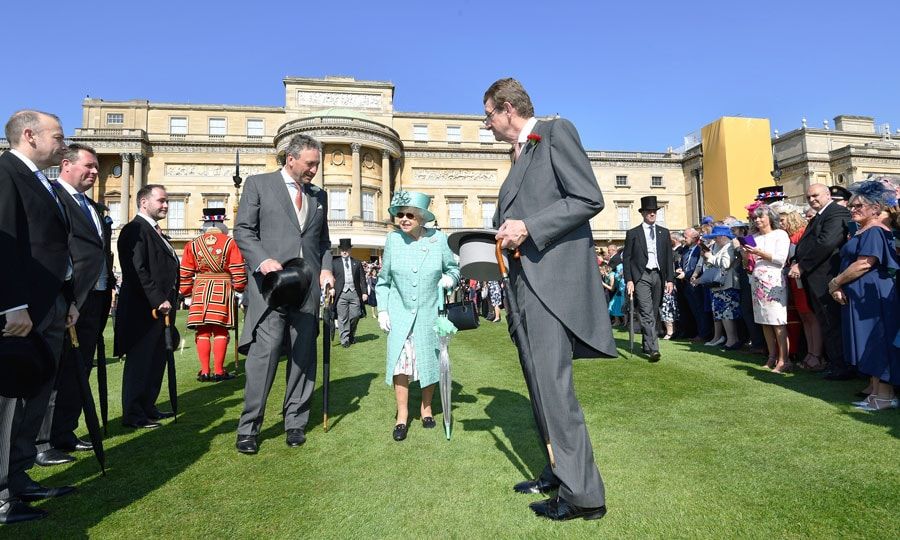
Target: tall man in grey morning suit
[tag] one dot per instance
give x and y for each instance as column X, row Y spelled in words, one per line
column 282, row 216
column 543, row 209
column 649, row 269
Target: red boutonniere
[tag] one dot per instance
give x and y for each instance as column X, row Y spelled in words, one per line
column 533, row 138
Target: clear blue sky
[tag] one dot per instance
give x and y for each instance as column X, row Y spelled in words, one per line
column 632, row 75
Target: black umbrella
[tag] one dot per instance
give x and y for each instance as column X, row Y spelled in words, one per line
column 237, row 333
column 101, row 382
column 170, row 363
column 631, row 323
column 521, row 341
column 327, row 336
column 87, row 402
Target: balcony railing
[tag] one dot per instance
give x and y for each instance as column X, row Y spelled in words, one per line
column 182, row 234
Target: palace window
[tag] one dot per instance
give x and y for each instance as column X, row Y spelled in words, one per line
column 456, row 213
column 52, row 173
column 420, row 132
column 175, row 217
column 485, row 136
column 621, row 180
column 217, row 128
column 623, row 217
column 487, row 213
column 454, row 134
column 256, row 128
column 656, row 181
column 215, row 202
column 368, row 206
column 114, row 207
column 661, row 216
column 115, row 119
column 337, row 204
column 178, row 126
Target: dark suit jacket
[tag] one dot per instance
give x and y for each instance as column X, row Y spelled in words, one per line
column 149, row 278
column 552, row 188
column 89, row 251
column 818, row 251
column 635, row 257
column 690, row 259
column 359, row 281
column 34, row 241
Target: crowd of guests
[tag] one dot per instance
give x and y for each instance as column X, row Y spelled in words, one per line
column 778, row 281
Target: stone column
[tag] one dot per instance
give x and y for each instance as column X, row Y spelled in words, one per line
column 356, row 189
column 319, row 179
column 138, row 171
column 385, row 184
column 125, row 198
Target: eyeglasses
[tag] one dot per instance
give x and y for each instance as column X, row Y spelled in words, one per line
column 856, row 206
column 407, row 215
column 488, row 116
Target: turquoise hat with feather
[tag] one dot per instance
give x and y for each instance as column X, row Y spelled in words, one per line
column 411, row 199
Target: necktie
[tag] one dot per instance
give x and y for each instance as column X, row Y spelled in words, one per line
column 298, row 199
column 82, row 200
column 652, row 232
column 49, row 185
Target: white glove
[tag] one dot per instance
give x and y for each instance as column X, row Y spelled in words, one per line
column 384, row 321
column 187, row 301
column 446, row 282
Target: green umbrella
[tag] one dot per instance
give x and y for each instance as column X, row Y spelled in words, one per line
column 445, row 329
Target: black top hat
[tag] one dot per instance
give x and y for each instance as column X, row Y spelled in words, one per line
column 287, row 287
column 648, row 203
column 839, row 193
column 770, row 194
column 345, row 244
column 213, row 214
column 26, row 364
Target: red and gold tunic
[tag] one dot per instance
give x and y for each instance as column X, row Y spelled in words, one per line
column 212, row 269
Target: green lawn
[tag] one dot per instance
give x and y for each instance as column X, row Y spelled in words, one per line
column 699, row 445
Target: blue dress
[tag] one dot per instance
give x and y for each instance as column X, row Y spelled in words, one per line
column 871, row 317
column 615, row 304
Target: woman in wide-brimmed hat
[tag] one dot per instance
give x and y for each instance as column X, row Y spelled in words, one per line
column 726, row 298
column 417, row 267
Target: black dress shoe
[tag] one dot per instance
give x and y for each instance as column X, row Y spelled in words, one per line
column 428, row 422
column 400, row 432
column 76, row 445
column 15, row 511
column 345, row 345
column 142, row 424
column 51, row 457
column 36, row 492
column 159, row 415
column 538, row 485
column 558, row 509
column 204, row 377
column 294, row 437
column 223, row 377
column 246, row 444
column 654, row 356
column 83, row 446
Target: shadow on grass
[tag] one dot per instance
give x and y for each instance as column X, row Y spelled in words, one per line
column 139, row 466
column 510, row 413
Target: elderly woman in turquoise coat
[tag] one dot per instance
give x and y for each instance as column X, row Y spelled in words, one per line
column 417, row 267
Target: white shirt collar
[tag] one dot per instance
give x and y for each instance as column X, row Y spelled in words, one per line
column 24, row 159
column 526, row 130
column 149, row 219
column 69, row 188
column 288, row 180
column 824, row 207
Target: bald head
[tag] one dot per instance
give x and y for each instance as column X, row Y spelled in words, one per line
column 818, row 196
column 37, row 135
column 690, row 236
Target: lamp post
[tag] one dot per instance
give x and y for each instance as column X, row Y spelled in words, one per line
column 237, row 181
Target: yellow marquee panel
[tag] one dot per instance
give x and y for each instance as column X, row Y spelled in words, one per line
column 737, row 160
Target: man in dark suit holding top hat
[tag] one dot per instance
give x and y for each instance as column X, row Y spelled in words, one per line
column 349, row 283
column 648, row 270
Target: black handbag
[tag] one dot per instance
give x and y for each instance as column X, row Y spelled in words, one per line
column 463, row 315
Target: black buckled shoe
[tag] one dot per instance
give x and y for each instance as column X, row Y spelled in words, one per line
column 246, row 444
column 538, row 485
column 204, row 377
column 558, row 509
column 224, row 376
column 428, row 422
column 400, row 432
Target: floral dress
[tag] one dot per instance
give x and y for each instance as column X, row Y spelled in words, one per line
column 769, row 288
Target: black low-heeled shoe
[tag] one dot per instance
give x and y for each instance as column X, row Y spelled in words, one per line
column 428, row 422
column 400, row 432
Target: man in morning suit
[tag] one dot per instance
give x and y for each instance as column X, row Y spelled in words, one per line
column 89, row 246
column 648, row 270
column 149, row 281
column 544, row 207
column 282, row 216
column 693, row 295
column 816, row 261
column 37, row 294
column 350, row 292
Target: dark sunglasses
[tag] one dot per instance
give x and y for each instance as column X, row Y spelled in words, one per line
column 407, row 215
